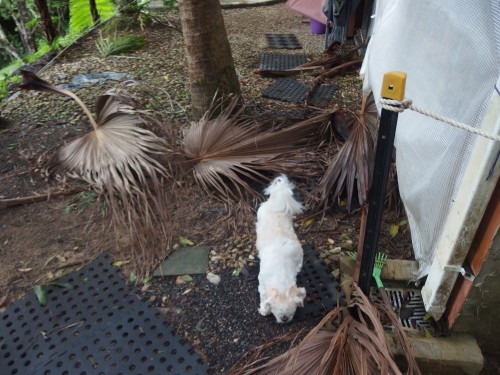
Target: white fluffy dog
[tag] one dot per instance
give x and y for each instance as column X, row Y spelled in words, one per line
column 280, row 252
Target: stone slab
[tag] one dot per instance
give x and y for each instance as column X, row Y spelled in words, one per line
column 455, row 354
column 185, row 261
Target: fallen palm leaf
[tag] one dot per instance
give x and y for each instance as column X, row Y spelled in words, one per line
column 231, row 150
column 116, row 158
column 349, row 340
column 352, row 165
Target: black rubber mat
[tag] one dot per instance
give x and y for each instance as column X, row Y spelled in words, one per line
column 285, row 89
column 323, row 291
column 322, row 95
column 96, row 327
column 279, row 61
column 283, row 41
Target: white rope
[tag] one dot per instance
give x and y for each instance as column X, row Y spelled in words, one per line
column 401, row 105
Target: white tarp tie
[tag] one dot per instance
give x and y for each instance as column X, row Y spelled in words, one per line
column 400, row 105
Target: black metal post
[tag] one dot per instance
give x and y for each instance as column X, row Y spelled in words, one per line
column 376, row 196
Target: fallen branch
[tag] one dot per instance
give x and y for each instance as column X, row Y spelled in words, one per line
column 39, row 198
column 285, row 73
column 332, row 72
column 337, row 70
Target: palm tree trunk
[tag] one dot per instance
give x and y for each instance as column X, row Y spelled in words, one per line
column 210, row 63
column 93, row 11
column 24, row 31
column 49, row 30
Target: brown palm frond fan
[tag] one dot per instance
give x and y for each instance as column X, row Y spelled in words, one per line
column 351, row 168
column 116, row 159
column 350, row 340
column 230, row 150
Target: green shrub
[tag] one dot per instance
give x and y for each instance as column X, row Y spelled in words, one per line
column 5, row 83
column 170, row 4
column 115, row 45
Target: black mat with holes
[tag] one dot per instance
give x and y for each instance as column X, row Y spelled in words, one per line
column 323, row 291
column 97, row 327
column 288, row 90
column 283, row 41
column 322, row 95
column 279, row 61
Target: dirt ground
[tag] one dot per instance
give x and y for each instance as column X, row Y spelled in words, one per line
column 44, row 240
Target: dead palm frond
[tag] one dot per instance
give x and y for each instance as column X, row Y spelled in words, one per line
column 230, row 151
column 116, row 158
column 353, row 164
column 350, row 340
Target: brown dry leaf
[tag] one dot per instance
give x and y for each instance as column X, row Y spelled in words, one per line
column 353, row 164
column 4, row 302
column 231, row 150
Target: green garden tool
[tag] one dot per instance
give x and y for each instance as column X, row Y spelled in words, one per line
column 377, row 267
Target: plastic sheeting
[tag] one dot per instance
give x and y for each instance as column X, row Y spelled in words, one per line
column 450, row 51
column 308, row 8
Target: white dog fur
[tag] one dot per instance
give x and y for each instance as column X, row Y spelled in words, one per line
column 280, row 252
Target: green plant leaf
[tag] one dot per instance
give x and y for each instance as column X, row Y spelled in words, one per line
column 120, row 263
column 393, row 230
column 427, row 316
column 146, row 280
column 236, row 272
column 187, row 278
column 61, row 285
column 132, row 277
column 402, row 223
column 41, row 295
column 185, row 242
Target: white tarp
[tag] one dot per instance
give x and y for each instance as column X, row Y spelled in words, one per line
column 450, row 51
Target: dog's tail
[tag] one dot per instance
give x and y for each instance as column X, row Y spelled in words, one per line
column 281, row 196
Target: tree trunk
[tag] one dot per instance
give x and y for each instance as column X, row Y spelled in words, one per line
column 24, row 31
column 210, row 63
column 6, row 45
column 93, row 11
column 48, row 28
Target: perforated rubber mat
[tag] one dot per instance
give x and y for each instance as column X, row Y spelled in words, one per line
column 283, row 41
column 323, row 291
column 322, row 95
column 288, row 90
column 95, row 328
column 279, row 61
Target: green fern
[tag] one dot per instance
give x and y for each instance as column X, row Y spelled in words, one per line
column 114, row 45
column 80, row 17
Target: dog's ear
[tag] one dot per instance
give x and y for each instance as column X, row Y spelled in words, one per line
column 298, row 295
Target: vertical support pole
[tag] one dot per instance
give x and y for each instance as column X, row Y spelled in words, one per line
column 393, row 87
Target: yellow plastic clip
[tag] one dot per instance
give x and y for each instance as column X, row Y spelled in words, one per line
column 393, row 85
